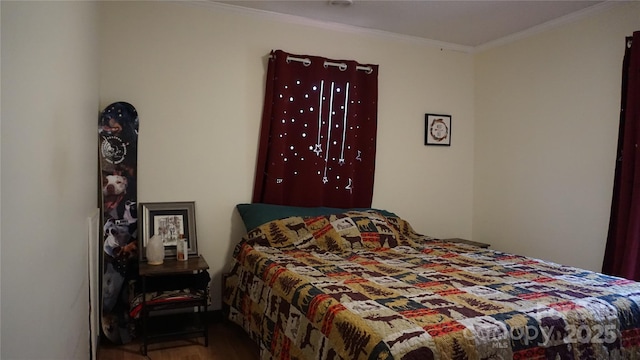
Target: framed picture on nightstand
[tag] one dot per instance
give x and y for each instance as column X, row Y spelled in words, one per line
column 170, row 221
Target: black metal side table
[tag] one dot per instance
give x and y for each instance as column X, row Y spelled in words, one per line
column 196, row 328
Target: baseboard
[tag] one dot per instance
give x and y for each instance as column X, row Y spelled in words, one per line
column 216, row 315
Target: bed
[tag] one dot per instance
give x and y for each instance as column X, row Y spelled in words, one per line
column 362, row 284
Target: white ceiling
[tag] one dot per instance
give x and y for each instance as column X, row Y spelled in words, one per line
column 462, row 23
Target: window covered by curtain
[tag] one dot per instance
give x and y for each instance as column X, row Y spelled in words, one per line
column 622, row 254
column 318, row 134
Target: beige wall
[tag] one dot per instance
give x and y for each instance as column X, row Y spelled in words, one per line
column 543, row 138
column 196, row 76
column 545, row 142
column 49, row 171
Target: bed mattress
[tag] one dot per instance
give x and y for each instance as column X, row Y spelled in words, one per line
column 361, row 285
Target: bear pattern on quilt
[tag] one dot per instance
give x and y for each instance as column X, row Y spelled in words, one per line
column 306, row 288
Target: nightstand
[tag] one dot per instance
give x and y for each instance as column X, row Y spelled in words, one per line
column 468, row 242
column 154, row 328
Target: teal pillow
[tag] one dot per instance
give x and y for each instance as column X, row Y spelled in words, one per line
column 254, row 215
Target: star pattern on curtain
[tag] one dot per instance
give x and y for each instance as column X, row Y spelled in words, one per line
column 318, row 132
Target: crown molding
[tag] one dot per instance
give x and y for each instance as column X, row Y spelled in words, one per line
column 552, row 24
column 298, row 20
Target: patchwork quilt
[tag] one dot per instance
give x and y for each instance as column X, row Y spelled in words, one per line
column 360, row 285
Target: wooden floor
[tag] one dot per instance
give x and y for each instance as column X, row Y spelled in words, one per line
column 227, row 341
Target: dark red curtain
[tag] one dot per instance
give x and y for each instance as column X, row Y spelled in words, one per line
column 318, row 136
column 622, row 253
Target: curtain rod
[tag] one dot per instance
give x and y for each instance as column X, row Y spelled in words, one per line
column 341, row 66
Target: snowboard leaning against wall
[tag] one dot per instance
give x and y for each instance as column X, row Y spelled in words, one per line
column 118, row 141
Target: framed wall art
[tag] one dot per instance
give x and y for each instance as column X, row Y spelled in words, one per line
column 170, row 221
column 437, row 129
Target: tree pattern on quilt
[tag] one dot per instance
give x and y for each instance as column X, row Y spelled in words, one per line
column 328, row 287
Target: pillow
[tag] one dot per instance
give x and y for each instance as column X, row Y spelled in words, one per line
column 256, row 214
column 340, row 232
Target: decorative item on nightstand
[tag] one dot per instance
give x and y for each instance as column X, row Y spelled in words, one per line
column 171, row 222
column 182, row 249
column 155, row 251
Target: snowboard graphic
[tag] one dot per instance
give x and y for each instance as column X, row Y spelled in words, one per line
column 118, row 142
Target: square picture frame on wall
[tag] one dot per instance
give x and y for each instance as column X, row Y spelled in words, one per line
column 437, row 129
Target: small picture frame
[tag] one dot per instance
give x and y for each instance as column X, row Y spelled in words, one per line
column 171, row 221
column 437, row 129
